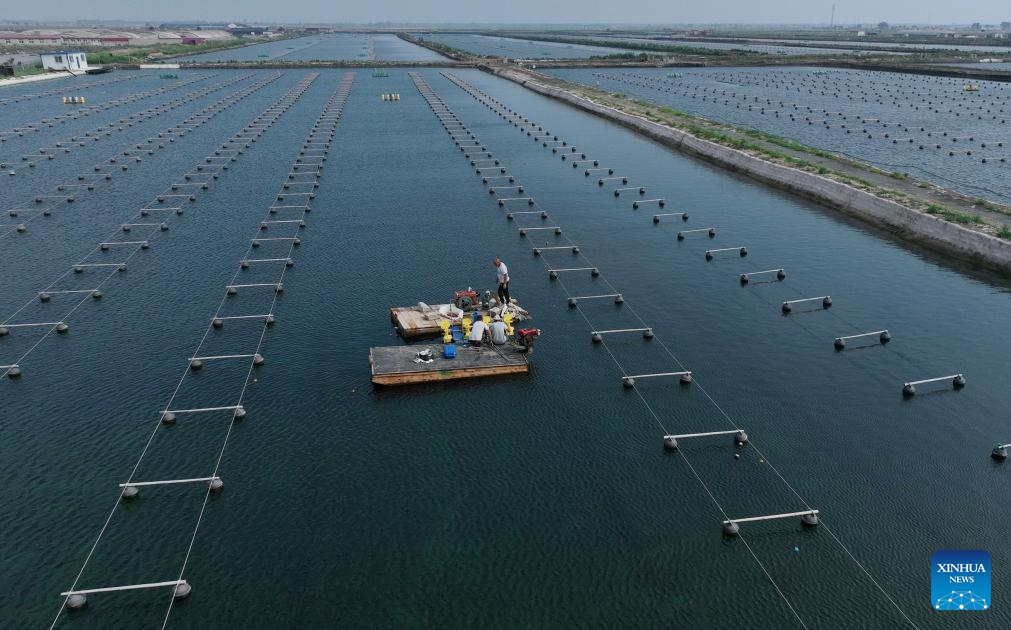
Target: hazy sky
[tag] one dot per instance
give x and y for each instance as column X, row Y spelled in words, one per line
column 519, row 11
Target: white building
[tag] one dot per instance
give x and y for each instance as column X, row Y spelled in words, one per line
column 73, row 61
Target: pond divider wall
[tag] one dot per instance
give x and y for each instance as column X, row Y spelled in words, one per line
column 905, row 223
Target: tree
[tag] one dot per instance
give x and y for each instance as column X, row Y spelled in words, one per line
column 1005, row 26
column 882, row 26
column 976, row 26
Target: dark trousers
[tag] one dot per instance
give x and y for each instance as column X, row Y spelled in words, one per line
column 503, row 294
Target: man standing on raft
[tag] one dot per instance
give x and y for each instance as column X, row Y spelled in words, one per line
column 503, row 282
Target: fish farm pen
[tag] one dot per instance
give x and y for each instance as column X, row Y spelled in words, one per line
column 742, row 411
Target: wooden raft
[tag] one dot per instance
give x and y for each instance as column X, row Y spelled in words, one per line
column 394, row 365
column 412, row 323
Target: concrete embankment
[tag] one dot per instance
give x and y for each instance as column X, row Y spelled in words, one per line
column 904, row 222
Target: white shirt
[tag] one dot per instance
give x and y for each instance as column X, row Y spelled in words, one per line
column 477, row 331
column 502, row 271
column 498, row 333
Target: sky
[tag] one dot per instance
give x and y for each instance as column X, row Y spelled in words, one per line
column 520, row 11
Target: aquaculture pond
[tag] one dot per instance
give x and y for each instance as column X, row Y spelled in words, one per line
column 325, row 47
column 538, row 500
column 950, row 131
column 768, row 49
column 516, row 48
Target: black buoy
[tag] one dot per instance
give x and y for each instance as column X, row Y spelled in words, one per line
column 999, row 452
column 958, row 382
column 810, row 520
column 908, row 390
column 840, row 343
column 670, row 443
column 731, row 529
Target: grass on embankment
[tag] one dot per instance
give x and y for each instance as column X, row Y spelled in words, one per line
column 27, row 71
column 143, row 54
column 765, row 145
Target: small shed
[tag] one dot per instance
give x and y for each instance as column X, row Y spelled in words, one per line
column 65, row 60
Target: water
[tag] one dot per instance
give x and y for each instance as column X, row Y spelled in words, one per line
column 901, row 45
column 514, row 48
column 544, row 500
column 325, row 47
column 928, row 127
column 768, row 49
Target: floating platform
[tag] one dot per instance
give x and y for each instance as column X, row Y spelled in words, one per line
column 395, row 365
column 423, row 321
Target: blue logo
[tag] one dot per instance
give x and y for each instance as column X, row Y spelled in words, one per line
column 960, row 580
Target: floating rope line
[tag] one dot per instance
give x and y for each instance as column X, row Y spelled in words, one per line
column 498, row 107
column 74, row 114
column 29, row 160
column 58, row 91
column 441, row 110
column 75, row 597
column 914, row 98
column 100, row 172
column 275, row 111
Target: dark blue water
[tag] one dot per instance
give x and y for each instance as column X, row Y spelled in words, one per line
column 928, row 127
column 538, row 501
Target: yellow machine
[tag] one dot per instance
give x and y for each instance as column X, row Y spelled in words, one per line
column 508, row 319
column 446, row 336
